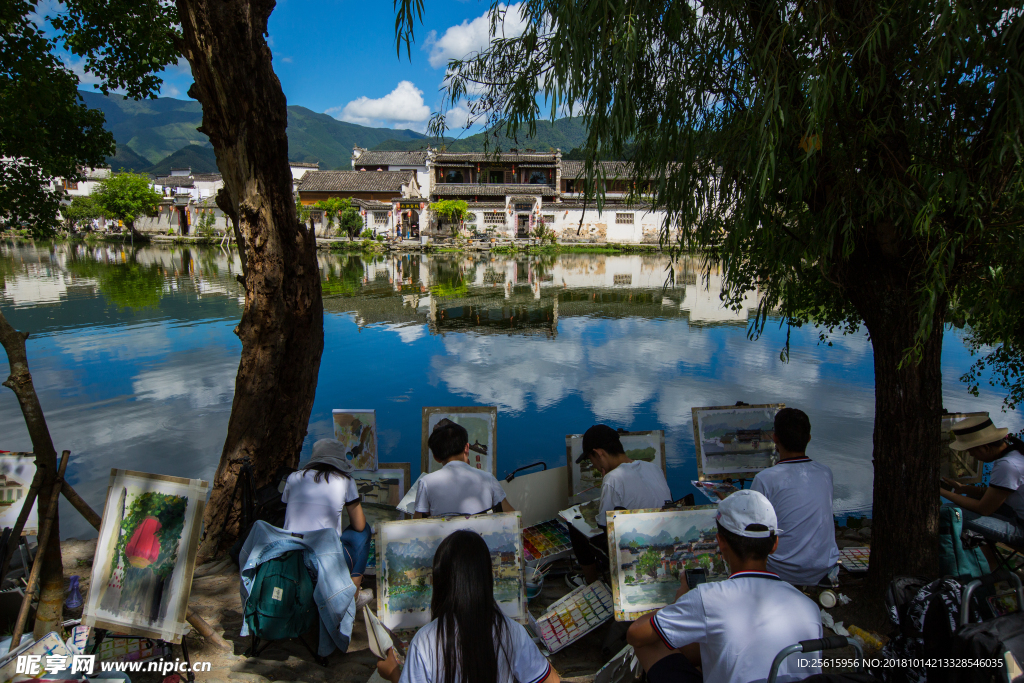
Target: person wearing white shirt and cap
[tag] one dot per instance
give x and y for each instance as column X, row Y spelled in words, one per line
column 995, row 511
column 730, row 631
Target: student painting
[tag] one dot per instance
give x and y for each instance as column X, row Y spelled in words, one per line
column 996, row 511
column 315, row 496
column 730, row 631
column 453, row 648
column 458, row 487
column 800, row 491
column 626, row 484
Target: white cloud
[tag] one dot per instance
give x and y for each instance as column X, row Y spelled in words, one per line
column 472, row 36
column 168, row 90
column 287, row 60
column 402, row 107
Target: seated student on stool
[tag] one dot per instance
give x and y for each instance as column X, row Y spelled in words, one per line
column 315, row 496
column 800, row 491
column 458, row 487
column 996, row 511
column 731, row 629
column 626, row 485
column 452, row 647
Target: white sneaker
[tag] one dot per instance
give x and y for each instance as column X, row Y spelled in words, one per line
column 364, row 597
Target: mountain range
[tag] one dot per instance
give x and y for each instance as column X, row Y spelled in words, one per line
column 661, row 538
column 156, row 135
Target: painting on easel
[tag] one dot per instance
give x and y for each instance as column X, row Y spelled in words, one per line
column 734, row 441
column 482, row 424
column 16, row 473
column 959, row 465
column 357, row 431
column 145, row 555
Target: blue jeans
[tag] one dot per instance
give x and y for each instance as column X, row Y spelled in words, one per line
column 356, row 545
column 1002, row 526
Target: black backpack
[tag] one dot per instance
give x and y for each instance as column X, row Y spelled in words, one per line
column 925, row 624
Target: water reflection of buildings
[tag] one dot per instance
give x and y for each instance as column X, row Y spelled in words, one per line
column 524, row 296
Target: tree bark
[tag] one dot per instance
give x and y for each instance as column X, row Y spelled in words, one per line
column 245, row 117
column 908, row 406
column 50, row 612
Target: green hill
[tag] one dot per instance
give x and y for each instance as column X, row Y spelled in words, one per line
column 197, row 157
column 148, row 132
column 564, row 134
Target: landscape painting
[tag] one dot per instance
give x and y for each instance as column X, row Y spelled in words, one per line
column 357, row 431
column 652, row 547
column 145, row 555
column 16, row 473
column 959, row 465
column 482, row 424
column 405, row 557
column 585, row 481
column 386, row 486
column 734, row 441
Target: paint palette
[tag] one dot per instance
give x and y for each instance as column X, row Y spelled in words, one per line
column 545, row 540
column 575, row 615
column 854, row 560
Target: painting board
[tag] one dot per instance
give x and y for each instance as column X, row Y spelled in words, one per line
column 585, row 481
column 385, row 486
column 583, row 516
column 538, row 495
column 16, row 473
column 405, row 557
column 356, row 429
column 649, row 548
column 734, row 441
column 145, row 555
column 482, row 424
column 959, row 465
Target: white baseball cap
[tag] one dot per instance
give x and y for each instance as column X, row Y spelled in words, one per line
column 744, row 508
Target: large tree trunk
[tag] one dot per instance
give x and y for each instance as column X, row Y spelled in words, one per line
column 908, row 406
column 245, row 116
column 50, row 610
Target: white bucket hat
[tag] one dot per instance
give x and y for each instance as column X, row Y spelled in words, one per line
column 745, row 508
column 975, row 431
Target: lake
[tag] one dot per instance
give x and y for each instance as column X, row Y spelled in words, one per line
column 134, row 357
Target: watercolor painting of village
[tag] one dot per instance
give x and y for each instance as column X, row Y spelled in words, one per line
column 482, row 424
column 357, row 431
column 585, row 481
column 650, row 548
column 405, row 552
column 734, row 441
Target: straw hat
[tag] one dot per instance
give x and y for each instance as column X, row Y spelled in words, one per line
column 975, row 431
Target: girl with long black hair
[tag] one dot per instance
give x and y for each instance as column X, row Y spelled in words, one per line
column 452, row 648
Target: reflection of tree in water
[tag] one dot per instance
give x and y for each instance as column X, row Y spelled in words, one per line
column 126, row 285
column 344, row 276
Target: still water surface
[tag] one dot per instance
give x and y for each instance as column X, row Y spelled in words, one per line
column 134, row 357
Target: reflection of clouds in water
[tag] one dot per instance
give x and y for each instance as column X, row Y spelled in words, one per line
column 407, row 332
column 115, row 343
column 203, row 383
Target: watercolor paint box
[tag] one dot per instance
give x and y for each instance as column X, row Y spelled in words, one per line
column 854, row 560
column 546, row 540
column 575, row 615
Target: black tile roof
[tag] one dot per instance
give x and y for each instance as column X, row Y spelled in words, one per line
column 506, row 157
column 374, row 157
column 355, row 181
column 572, row 170
column 481, row 190
column 207, row 177
column 174, row 181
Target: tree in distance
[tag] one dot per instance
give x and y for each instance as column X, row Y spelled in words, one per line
column 127, row 197
column 856, row 163
column 81, row 212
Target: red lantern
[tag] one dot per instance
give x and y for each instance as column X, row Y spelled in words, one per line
column 144, row 547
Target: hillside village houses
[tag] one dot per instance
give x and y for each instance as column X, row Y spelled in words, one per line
column 509, row 195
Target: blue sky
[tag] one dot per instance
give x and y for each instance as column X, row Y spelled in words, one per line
column 339, row 57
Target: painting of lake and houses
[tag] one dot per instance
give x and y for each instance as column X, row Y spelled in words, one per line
column 734, row 441
column 406, row 557
column 650, row 548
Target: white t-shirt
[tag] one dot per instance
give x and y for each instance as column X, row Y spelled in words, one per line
column 1008, row 473
column 316, row 505
column 528, row 664
column 741, row 624
column 633, row 485
column 457, row 488
column 800, row 490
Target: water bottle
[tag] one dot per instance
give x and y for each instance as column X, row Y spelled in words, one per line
column 74, row 599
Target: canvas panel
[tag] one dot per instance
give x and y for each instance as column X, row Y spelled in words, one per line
column 585, row 482
column 650, row 548
column 405, row 565
column 145, row 555
column 482, row 424
column 734, row 441
column 584, row 517
column 16, row 473
column 356, row 429
column 959, row 465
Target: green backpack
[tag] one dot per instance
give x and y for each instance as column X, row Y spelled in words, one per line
column 954, row 558
column 281, row 603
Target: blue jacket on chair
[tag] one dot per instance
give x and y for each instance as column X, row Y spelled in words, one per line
column 334, row 593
